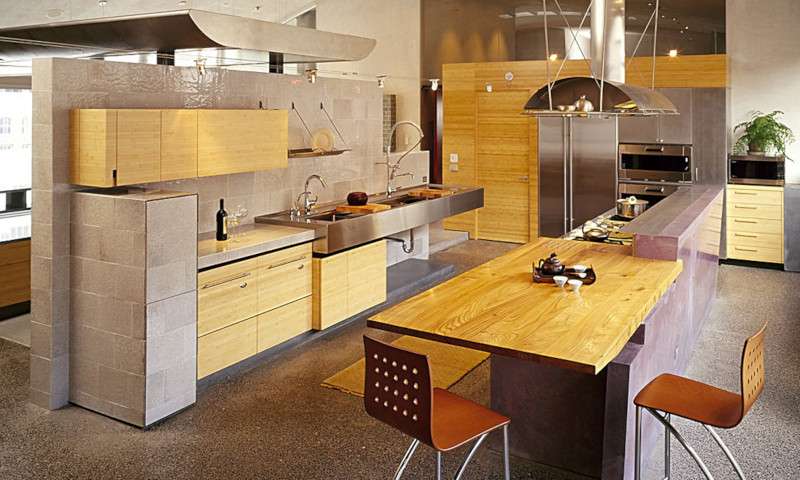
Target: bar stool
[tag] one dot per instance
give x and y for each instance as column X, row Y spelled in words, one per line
column 398, row 392
column 707, row 405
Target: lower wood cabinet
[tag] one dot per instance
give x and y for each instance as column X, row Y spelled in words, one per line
column 251, row 305
column 347, row 283
column 755, row 223
column 15, row 271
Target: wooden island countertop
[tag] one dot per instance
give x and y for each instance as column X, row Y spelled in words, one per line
column 497, row 308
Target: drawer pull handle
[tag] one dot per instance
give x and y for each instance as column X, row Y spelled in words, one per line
column 746, row 208
column 286, row 262
column 746, row 249
column 745, row 235
column 744, row 193
column 744, row 221
column 226, row 280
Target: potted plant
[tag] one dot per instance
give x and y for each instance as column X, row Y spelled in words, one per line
column 764, row 133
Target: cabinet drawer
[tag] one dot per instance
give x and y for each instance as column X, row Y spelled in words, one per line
column 227, row 295
column 755, row 195
column 757, row 225
column 754, row 210
column 284, row 276
column 226, row 347
column 284, row 323
column 751, row 239
column 755, row 254
column 366, row 277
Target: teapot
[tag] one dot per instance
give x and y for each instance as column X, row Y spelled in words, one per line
column 551, row 265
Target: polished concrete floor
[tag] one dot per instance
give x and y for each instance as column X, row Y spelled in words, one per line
column 276, row 422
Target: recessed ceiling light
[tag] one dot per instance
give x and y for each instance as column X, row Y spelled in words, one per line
column 673, row 53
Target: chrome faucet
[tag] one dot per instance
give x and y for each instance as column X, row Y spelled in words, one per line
column 392, row 168
column 309, row 199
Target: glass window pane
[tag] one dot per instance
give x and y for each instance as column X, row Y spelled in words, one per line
column 15, row 139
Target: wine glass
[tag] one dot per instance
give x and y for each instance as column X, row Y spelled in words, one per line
column 238, row 215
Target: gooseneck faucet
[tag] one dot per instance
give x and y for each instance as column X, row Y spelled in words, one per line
column 309, row 199
column 391, row 168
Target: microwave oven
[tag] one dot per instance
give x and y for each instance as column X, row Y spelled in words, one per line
column 756, row 170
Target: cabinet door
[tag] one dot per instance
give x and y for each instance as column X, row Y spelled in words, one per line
column 677, row 128
column 93, row 147
column 638, row 130
column 503, row 156
column 138, row 146
column 330, row 290
column 178, row 144
column 284, row 323
column 366, row 277
column 234, row 141
column 284, row 276
column 226, row 295
column 226, row 347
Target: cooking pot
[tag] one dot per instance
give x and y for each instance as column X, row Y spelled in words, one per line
column 631, row 207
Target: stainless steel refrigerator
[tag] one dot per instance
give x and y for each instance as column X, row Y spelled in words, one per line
column 577, row 171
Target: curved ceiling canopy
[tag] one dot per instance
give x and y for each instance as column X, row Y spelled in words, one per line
column 180, row 30
column 618, row 98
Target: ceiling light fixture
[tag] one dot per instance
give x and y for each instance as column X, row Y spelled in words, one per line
column 200, row 63
column 102, row 3
column 673, row 53
column 311, row 75
column 381, row 80
column 434, row 84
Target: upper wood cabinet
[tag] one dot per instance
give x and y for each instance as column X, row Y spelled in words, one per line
column 234, row 141
column 111, row 147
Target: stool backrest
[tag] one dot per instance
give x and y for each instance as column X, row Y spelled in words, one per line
column 752, row 369
column 397, row 388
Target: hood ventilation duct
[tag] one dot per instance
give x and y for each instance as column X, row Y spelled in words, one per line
column 180, row 30
column 605, row 92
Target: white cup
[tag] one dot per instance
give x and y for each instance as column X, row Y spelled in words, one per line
column 560, row 280
column 574, row 285
column 579, row 268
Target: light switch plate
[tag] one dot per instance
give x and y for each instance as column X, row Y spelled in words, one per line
column 453, row 167
column 453, row 158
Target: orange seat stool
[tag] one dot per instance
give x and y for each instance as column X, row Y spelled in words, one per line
column 398, row 392
column 704, row 404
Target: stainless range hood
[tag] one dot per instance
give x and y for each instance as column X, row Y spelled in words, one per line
column 179, row 30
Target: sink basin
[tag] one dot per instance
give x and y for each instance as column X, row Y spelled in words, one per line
column 332, row 216
column 403, row 200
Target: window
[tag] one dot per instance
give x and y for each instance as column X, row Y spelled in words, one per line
column 15, row 139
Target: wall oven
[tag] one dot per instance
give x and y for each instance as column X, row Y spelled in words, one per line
column 653, row 171
column 756, row 170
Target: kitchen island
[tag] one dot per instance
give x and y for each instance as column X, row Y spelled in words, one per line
column 565, row 367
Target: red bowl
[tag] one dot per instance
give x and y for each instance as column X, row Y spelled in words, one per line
column 357, row 198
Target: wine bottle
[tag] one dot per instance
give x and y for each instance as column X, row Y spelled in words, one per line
column 222, row 222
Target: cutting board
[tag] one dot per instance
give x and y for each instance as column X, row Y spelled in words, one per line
column 368, row 208
column 429, row 193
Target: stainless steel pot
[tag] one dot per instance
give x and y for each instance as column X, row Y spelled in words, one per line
column 631, row 207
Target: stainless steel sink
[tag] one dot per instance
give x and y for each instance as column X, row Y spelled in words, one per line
column 335, row 231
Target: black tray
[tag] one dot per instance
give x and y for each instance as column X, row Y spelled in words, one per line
column 590, row 278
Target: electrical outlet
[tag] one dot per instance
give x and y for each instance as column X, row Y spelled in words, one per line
column 453, row 167
column 453, row 158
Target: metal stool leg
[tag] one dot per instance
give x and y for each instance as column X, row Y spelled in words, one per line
column 469, row 456
column 406, row 458
column 438, row 465
column 506, row 464
column 680, row 439
column 726, row 451
column 638, row 458
column 667, row 466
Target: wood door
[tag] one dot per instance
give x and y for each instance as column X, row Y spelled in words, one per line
column 330, row 290
column 178, row 144
column 503, row 153
column 93, row 147
column 15, row 270
column 276, row 136
column 138, row 146
column 366, row 277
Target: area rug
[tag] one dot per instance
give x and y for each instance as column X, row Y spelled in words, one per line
column 448, row 363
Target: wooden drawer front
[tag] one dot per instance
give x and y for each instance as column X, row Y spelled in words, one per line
column 366, row 277
column 754, row 225
column 754, row 210
column 227, row 295
column 330, row 290
column 284, row 276
column 768, row 240
column 226, row 347
column 284, row 323
column 755, row 195
column 755, row 253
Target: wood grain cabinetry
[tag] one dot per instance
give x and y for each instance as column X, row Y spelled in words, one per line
column 347, row 283
column 112, row 147
column 15, row 272
column 251, row 305
column 755, row 223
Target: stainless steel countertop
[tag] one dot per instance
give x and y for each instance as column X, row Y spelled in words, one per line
column 251, row 239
